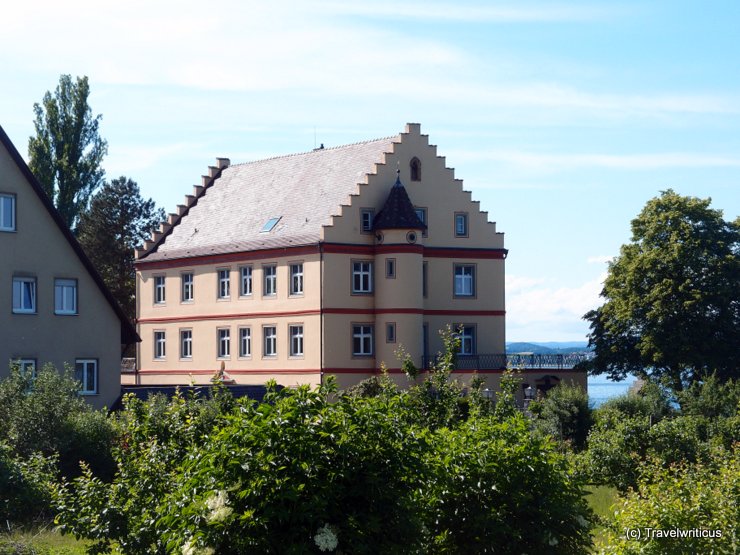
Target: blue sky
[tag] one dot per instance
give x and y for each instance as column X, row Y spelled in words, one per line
column 562, row 118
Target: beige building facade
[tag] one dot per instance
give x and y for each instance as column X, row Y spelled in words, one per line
column 322, row 263
column 54, row 307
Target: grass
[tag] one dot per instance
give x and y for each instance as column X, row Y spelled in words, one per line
column 601, row 499
column 40, row 540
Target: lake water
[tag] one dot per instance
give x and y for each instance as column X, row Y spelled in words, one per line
column 601, row 389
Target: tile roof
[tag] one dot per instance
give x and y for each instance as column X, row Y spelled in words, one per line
column 303, row 190
column 398, row 212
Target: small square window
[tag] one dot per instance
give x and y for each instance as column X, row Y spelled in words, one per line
column 65, row 296
column 296, row 279
column 270, row 224
column 187, row 287
column 245, row 281
column 24, row 295
column 86, row 372
column 390, row 268
column 461, row 225
column 366, row 218
column 7, row 212
column 362, row 340
column 159, row 290
column 269, row 285
column 390, row 332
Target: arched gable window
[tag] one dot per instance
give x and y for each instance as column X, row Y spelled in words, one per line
column 415, row 165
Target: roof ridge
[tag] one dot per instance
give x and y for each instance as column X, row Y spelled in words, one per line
column 315, row 150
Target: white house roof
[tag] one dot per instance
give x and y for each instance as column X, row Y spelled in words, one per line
column 302, row 190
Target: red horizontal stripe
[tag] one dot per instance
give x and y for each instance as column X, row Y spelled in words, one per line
column 239, row 372
column 424, row 311
column 243, row 256
column 232, row 316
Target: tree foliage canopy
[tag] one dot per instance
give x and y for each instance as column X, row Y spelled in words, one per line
column 118, row 220
column 66, row 153
column 672, row 296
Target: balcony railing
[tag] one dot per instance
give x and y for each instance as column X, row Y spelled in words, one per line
column 500, row 361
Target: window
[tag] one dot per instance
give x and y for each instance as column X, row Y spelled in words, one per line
column 186, row 343
column 362, row 278
column 461, row 225
column 159, row 292
column 464, row 280
column 269, row 287
column 467, row 340
column 296, row 279
column 390, row 268
column 269, row 348
column 86, row 372
column 296, row 341
column 270, row 224
column 24, row 295
column 390, row 332
column 424, row 280
column 245, row 342
column 27, row 366
column 366, row 218
column 187, row 287
column 362, row 339
column 7, row 212
column 224, row 342
column 245, row 281
column 224, row 283
column 421, row 213
column 65, row 296
column 159, row 345
column 415, row 167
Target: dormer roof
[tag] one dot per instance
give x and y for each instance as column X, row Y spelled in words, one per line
column 398, row 212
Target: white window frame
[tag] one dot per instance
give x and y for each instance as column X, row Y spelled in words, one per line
column 223, row 343
column 19, row 289
column 61, row 287
column 362, row 277
column 296, row 278
column 421, row 213
column 269, row 341
column 24, row 364
column 245, row 281
column 245, row 342
column 160, row 291
column 223, row 290
column 187, row 288
column 160, row 345
column 4, row 225
column 390, row 268
column 467, row 340
column 295, row 334
column 269, row 280
column 362, row 337
column 464, row 285
column 82, row 375
column 186, row 344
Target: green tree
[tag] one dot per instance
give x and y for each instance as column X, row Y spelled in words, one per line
column 672, row 301
column 118, row 220
column 66, row 153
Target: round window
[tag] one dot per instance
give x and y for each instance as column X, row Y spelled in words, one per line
column 411, row 237
column 379, row 236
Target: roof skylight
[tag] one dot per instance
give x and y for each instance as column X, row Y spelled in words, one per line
column 270, row 224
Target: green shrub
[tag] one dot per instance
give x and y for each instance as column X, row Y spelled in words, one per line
column 680, row 498
column 564, row 413
column 711, row 398
column 24, row 486
column 651, row 400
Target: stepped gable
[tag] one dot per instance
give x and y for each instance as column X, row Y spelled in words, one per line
column 398, row 212
column 304, row 191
